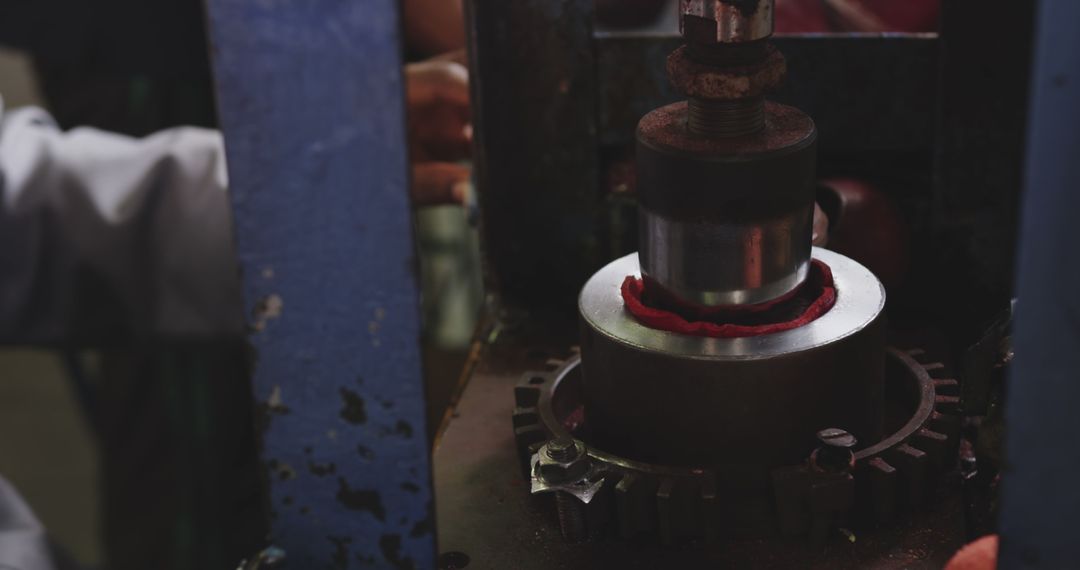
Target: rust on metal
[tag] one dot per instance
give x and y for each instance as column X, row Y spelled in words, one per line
column 785, row 127
column 695, row 79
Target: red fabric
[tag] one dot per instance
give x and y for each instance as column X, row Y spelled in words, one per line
column 711, row 322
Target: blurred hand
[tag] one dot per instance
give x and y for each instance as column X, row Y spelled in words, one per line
column 433, row 26
column 440, row 131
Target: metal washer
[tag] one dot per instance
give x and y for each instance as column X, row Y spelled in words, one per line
column 860, row 300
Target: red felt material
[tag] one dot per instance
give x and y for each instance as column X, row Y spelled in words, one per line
column 717, row 322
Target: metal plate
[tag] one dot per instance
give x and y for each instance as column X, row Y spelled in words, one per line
column 311, row 99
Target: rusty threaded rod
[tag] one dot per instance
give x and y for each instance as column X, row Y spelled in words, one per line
column 724, row 119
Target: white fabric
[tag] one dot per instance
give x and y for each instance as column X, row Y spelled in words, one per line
column 23, row 544
column 143, row 222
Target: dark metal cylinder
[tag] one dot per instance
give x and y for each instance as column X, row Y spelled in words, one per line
column 705, row 263
column 749, row 403
column 725, row 219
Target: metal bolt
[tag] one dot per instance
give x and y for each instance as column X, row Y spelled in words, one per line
column 836, row 437
column 563, row 460
column 563, row 449
column 835, row 452
column 571, row 513
column 564, row 463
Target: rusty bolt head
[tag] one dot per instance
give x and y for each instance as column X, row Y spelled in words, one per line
column 836, row 438
column 725, row 21
column 835, row 452
column 563, row 460
column 703, row 81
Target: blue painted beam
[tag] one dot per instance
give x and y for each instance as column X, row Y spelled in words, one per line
column 1040, row 507
column 311, row 101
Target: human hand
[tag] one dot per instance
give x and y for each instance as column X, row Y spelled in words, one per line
column 440, row 131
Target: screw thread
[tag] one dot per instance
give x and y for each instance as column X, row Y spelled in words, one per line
column 724, row 119
column 571, row 513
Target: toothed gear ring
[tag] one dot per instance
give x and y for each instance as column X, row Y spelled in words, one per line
column 631, row 498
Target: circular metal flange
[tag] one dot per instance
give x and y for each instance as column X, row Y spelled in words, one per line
column 892, row 476
column 860, row 300
column 753, row 402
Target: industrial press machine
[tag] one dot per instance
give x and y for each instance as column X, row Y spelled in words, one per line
column 668, row 374
column 729, row 394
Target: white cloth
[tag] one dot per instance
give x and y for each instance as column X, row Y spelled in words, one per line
column 98, row 227
column 23, row 544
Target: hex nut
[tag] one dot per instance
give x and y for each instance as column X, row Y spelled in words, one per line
column 703, row 81
column 554, row 471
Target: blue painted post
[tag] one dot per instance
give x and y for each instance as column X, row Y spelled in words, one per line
column 310, row 96
column 1040, row 511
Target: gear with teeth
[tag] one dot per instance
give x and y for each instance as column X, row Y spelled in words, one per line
column 895, row 475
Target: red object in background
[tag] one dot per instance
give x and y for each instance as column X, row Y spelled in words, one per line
column 801, row 16
column 979, row 555
column 906, row 15
column 818, row 16
column 865, row 225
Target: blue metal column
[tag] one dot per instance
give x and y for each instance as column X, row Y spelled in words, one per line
column 310, row 97
column 1040, row 512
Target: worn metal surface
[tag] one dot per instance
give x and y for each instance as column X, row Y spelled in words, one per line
column 866, row 93
column 629, row 498
column 1041, row 498
column 754, row 402
column 719, row 226
column 486, row 513
column 548, row 96
column 537, row 152
column 725, row 220
column 312, row 107
column 739, row 76
column 725, row 264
